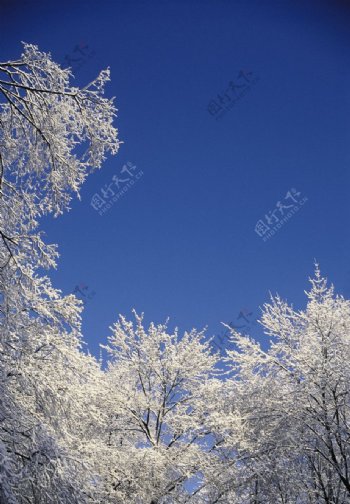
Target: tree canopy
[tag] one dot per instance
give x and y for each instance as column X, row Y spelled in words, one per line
column 168, row 420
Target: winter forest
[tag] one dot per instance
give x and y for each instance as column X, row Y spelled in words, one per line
column 166, row 419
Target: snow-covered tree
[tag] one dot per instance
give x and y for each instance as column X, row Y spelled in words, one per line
column 158, row 434
column 288, row 408
column 161, row 424
column 51, row 135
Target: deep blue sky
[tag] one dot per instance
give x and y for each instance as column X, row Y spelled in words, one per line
column 181, row 241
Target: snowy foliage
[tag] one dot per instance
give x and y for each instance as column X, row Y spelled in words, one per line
column 289, row 423
column 167, row 421
column 44, row 376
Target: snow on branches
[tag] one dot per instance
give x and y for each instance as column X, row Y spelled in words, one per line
column 167, row 420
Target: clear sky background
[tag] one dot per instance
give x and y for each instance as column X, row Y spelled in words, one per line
column 181, row 242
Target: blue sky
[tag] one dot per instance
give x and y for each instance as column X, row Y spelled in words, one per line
column 180, row 242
